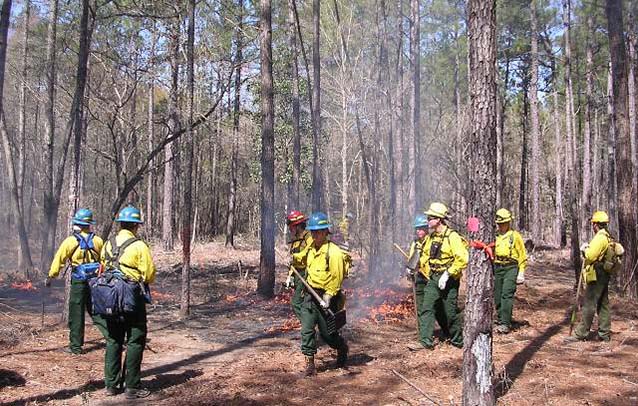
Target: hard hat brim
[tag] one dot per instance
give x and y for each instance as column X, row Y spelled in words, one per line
column 129, row 221
column 435, row 215
column 83, row 223
column 319, row 227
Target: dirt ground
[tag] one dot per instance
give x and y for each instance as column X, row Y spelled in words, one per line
column 239, row 349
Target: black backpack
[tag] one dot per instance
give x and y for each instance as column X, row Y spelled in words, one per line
column 113, row 294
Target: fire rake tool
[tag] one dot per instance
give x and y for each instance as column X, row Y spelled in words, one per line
column 416, row 311
column 334, row 320
column 576, row 307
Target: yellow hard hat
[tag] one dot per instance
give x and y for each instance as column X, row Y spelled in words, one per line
column 600, row 217
column 503, row 216
column 437, row 210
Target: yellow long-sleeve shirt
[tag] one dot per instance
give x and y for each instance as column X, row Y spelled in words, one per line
column 297, row 246
column 422, row 266
column 451, row 256
column 597, row 247
column 136, row 261
column 509, row 248
column 326, row 274
column 69, row 251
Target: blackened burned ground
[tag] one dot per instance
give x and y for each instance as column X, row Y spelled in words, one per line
column 235, row 349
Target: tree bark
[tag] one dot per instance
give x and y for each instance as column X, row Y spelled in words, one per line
column 184, row 308
column 587, row 136
column 572, row 161
column 50, row 203
column 415, row 58
column 150, row 179
column 174, row 125
column 316, row 107
column 22, row 105
column 477, row 331
column 620, row 95
column 234, row 166
column 558, row 166
column 296, row 133
column 535, row 220
column 266, row 282
column 610, row 170
column 77, row 112
column 632, row 43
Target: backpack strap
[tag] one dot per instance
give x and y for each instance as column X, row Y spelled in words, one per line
column 113, row 259
column 90, row 254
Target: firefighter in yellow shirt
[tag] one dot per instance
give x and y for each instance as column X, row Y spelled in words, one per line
column 444, row 257
column 136, row 264
column 596, row 279
column 510, row 261
column 300, row 238
column 326, row 267
column 82, row 250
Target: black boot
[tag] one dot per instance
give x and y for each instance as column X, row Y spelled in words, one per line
column 310, row 366
column 342, row 355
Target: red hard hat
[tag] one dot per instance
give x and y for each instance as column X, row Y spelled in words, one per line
column 295, row 217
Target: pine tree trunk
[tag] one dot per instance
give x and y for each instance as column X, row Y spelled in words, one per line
column 620, row 99
column 78, row 108
column 415, row 56
column 524, row 171
column 401, row 155
column 49, row 202
column 535, row 220
column 587, row 136
column 597, row 162
column 572, row 161
column 632, row 43
column 558, row 141
column 317, row 187
column 266, row 282
column 174, row 125
column 22, row 106
column 150, row 179
column 296, row 148
column 477, row 330
column 231, row 219
column 184, row 308
column 610, row 171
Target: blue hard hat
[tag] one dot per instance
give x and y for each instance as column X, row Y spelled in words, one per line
column 83, row 217
column 421, row 220
column 129, row 214
column 318, row 221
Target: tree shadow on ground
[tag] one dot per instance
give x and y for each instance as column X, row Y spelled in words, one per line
column 161, row 370
column 11, row 378
column 515, row 367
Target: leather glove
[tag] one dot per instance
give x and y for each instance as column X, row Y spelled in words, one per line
column 443, row 280
column 409, row 273
column 47, row 282
column 325, row 302
column 290, row 282
column 520, row 278
column 583, row 247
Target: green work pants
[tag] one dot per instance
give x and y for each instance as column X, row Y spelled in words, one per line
column 311, row 316
column 419, row 289
column 504, row 290
column 131, row 330
column 442, row 306
column 297, row 297
column 79, row 302
column 596, row 301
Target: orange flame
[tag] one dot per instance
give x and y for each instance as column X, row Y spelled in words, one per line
column 23, row 286
column 288, row 325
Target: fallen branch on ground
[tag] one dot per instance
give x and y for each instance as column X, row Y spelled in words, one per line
column 416, row 387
